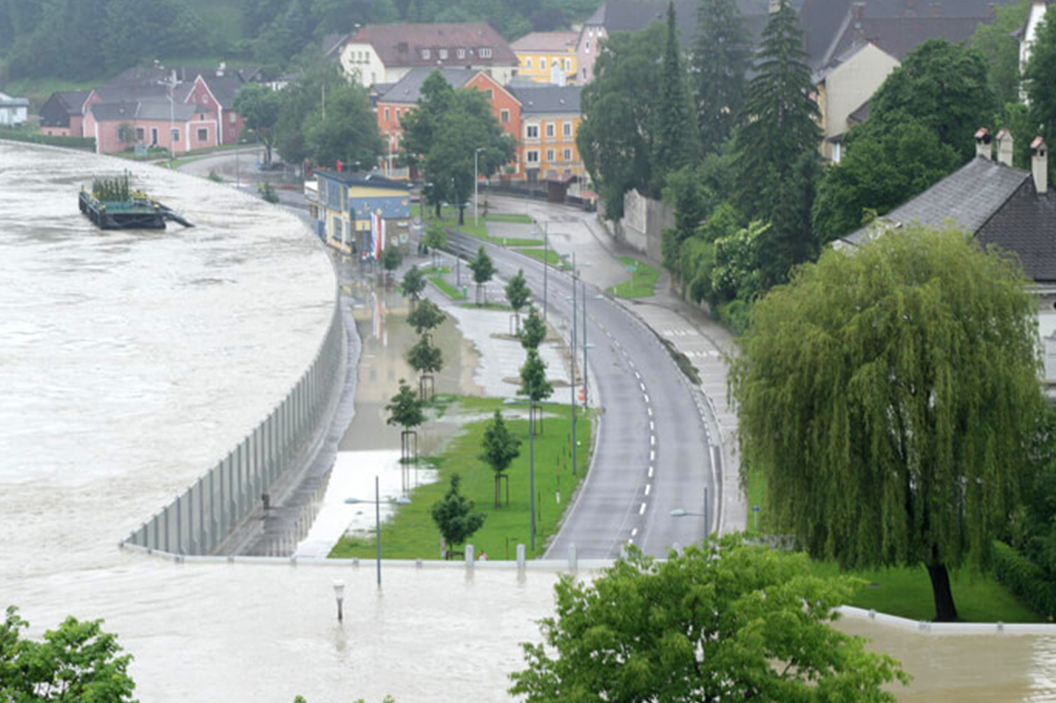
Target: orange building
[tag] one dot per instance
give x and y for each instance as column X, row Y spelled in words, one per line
column 550, row 117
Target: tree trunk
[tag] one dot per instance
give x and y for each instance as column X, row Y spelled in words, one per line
column 461, row 216
column 497, row 481
column 438, row 209
column 945, row 610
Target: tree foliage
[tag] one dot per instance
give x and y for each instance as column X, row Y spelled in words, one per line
column 720, row 61
column 677, row 144
column 454, row 515
column 346, row 129
column 994, row 41
column 424, row 358
column 1039, row 78
column 517, row 292
column 483, row 269
column 500, row 449
column 391, row 258
column 426, row 317
column 259, row 107
column 533, row 331
column 413, row 283
column 889, row 397
column 943, row 87
column 744, row 624
column 76, row 662
column 533, row 378
column 405, row 408
column 615, row 136
column 880, row 172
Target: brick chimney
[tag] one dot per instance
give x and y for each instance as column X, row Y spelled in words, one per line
column 982, row 143
column 1039, row 152
column 1004, row 147
column 859, row 10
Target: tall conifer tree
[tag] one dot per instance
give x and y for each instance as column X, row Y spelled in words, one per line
column 676, row 130
column 720, row 61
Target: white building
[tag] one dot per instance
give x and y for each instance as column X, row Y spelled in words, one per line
column 13, row 111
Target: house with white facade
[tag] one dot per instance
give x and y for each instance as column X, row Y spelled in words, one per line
column 13, row 111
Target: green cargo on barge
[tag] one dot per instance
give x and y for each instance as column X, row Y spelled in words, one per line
column 112, row 204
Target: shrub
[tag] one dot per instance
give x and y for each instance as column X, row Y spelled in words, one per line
column 1025, row 579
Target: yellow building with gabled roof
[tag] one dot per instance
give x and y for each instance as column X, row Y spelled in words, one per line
column 547, row 57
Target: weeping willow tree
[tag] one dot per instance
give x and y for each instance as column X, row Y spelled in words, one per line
column 889, row 397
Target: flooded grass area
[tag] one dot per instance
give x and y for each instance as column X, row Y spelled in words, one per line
column 412, row 534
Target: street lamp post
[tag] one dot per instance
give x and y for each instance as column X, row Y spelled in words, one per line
column 572, row 357
column 678, row 512
column 339, row 593
column 584, row 306
column 476, row 195
column 377, row 519
column 546, row 262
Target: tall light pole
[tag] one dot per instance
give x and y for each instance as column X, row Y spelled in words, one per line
column 584, row 306
column 377, row 519
column 572, row 356
column 546, row 262
column 678, row 512
column 476, row 196
column 339, row 594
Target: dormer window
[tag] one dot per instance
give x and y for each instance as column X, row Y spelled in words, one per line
column 485, row 52
column 443, row 53
column 461, row 53
column 425, row 54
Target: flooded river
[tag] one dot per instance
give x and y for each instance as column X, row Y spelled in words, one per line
column 129, row 362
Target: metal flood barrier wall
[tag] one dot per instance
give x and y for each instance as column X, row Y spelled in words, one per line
column 199, row 520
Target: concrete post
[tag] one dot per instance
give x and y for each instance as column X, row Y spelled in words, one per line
column 521, row 557
column 573, row 558
column 469, row 556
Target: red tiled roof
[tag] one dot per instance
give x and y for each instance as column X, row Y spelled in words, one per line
column 403, row 44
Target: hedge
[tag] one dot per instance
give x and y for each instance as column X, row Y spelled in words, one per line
column 84, row 143
column 1025, row 579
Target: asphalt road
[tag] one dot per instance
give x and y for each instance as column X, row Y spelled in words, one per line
column 652, row 452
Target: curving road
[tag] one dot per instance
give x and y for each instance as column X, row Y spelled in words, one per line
column 652, row 453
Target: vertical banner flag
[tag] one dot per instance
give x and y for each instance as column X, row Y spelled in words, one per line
column 375, row 233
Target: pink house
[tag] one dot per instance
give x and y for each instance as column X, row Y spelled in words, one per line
column 179, row 127
column 62, row 114
column 216, row 94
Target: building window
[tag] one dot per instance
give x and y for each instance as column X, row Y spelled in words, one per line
column 568, row 65
column 174, row 135
column 568, row 155
column 504, row 116
column 531, row 132
column 386, row 114
column 550, row 155
column 203, row 134
column 153, row 136
column 231, row 117
column 531, row 157
column 490, row 93
column 140, row 136
column 586, row 47
column 443, row 53
column 425, row 53
column 542, row 63
column 485, row 52
column 528, row 62
column 566, row 129
column 550, row 130
column 461, row 53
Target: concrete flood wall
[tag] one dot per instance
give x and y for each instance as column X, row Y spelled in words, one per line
column 643, row 223
column 213, row 508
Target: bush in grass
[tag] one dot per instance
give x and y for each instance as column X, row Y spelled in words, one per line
column 1025, row 579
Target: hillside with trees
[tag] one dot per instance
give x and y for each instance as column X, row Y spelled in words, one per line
column 87, row 39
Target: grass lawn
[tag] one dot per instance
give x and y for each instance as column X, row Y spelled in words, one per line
column 412, row 533
column 642, row 283
column 906, row 592
column 508, row 217
column 447, row 289
column 488, row 306
column 552, row 257
column 480, row 231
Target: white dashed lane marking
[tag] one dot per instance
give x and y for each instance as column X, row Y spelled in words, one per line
column 648, row 487
column 641, row 510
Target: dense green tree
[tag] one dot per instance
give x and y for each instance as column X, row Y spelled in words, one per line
column 76, row 662
column 425, row 317
column 421, row 124
column 454, row 516
column 413, row 284
column 405, row 410
column 518, row 295
column 890, row 398
column 341, row 16
column 1039, row 79
column 533, row 331
column 721, row 57
column 303, row 100
column 347, row 130
column 483, row 269
column 677, row 143
column 1000, row 49
column 500, row 449
column 880, row 172
column 533, row 378
column 616, row 135
column 693, row 201
column 435, row 239
column 259, row 107
column 943, row 87
column 391, row 259
column 742, row 623
column 427, row 360
column 1016, row 118
column 775, row 145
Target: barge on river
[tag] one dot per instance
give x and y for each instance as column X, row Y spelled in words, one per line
column 112, row 204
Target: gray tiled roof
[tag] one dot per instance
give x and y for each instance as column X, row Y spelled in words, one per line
column 969, row 197
column 409, row 88
column 144, row 110
column 1026, row 225
column 402, row 44
column 105, row 112
column 548, row 99
column 73, row 100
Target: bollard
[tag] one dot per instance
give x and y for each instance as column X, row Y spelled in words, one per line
column 573, row 561
column 469, row 556
column 521, row 557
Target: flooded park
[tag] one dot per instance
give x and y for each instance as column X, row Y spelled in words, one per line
column 130, row 362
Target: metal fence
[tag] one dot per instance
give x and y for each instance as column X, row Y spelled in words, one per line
column 203, row 516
